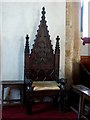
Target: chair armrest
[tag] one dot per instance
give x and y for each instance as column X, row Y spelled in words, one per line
column 28, row 85
column 63, row 82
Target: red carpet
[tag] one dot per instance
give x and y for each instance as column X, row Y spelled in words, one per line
column 41, row 111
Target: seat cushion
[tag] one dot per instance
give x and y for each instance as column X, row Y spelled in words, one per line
column 45, row 85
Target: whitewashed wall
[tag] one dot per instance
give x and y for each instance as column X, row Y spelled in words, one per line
column 85, row 49
column 0, row 85
column 20, row 18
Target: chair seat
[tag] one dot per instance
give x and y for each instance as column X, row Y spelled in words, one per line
column 45, row 85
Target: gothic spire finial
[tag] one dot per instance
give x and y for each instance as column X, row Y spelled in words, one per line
column 27, row 44
column 43, row 13
column 57, row 42
column 57, row 38
column 27, row 37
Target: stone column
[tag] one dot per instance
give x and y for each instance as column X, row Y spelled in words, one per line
column 72, row 43
column 76, row 11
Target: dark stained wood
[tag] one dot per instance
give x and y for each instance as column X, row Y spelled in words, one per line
column 84, row 93
column 85, row 61
column 43, row 61
column 84, row 76
column 12, row 85
column 42, row 64
column 85, row 71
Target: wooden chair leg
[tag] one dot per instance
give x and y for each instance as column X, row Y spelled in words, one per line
column 2, row 93
column 81, row 107
column 29, row 105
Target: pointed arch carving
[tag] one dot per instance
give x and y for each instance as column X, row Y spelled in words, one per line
column 42, row 60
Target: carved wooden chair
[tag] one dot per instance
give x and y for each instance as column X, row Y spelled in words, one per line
column 41, row 67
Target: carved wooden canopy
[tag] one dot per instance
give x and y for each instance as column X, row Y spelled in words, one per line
column 43, row 61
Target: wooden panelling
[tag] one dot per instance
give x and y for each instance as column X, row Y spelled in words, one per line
column 85, row 61
column 85, row 71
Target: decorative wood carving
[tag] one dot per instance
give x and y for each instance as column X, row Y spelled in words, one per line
column 42, row 62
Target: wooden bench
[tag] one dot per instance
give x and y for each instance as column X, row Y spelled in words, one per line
column 84, row 93
column 12, row 85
